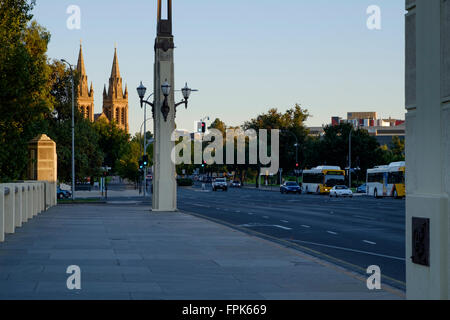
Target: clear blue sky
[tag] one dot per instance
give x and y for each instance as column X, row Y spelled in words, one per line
column 245, row 56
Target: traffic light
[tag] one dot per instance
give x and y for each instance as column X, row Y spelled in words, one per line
column 141, row 164
column 203, row 127
column 203, row 164
column 145, row 162
column 297, row 165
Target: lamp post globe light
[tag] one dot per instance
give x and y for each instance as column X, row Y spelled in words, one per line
column 141, row 90
column 73, row 128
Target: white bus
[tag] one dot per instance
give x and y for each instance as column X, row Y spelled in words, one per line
column 322, row 179
column 387, row 181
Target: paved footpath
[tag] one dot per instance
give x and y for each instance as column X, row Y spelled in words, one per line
column 126, row 252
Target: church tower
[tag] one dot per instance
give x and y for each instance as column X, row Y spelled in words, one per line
column 115, row 100
column 85, row 95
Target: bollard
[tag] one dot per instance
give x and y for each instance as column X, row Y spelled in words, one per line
column 9, row 203
column 18, row 206
column 35, row 200
column 25, row 203
column 30, row 202
column 2, row 213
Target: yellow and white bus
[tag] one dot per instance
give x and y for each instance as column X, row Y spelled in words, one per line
column 322, row 179
column 387, row 181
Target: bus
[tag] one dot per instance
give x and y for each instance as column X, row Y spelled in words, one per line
column 387, row 181
column 322, row 179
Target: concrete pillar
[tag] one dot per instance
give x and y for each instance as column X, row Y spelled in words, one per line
column 18, row 205
column 30, row 202
column 164, row 179
column 9, row 209
column 427, row 148
column 24, row 203
column 35, row 200
column 2, row 213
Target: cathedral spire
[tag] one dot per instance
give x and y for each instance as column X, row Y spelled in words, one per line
column 80, row 66
column 115, row 73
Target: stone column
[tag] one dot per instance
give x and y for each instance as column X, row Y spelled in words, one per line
column 164, row 183
column 427, row 148
column 43, row 164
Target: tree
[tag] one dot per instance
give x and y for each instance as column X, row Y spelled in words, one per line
column 113, row 141
column 292, row 130
column 398, row 149
column 24, row 85
column 128, row 165
column 334, row 148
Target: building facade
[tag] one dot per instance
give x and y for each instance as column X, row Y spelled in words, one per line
column 115, row 99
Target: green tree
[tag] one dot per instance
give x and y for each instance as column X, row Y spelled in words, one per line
column 398, row 149
column 24, row 85
column 113, row 142
column 292, row 130
column 334, row 148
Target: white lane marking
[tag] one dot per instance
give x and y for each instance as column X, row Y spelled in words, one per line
column 285, row 221
column 348, row 249
column 281, row 227
column 237, row 211
column 253, row 225
column 332, row 232
column 305, row 226
column 362, row 217
column 265, row 217
column 369, row 242
column 250, row 213
column 201, row 205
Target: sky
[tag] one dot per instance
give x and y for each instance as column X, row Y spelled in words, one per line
column 244, row 56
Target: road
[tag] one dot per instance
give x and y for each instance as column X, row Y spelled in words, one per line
column 355, row 233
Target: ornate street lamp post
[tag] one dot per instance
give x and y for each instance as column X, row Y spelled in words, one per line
column 164, row 112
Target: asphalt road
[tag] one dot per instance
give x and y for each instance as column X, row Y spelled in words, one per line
column 355, row 233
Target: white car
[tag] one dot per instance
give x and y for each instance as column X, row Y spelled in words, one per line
column 341, row 191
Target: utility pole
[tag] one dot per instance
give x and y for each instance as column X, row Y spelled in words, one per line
column 350, row 159
column 73, row 129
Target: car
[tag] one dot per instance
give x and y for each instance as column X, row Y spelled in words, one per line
column 341, row 191
column 220, row 183
column 362, row 188
column 235, row 184
column 63, row 194
column 290, row 187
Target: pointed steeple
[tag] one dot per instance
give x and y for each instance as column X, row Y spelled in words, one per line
column 80, row 66
column 115, row 73
column 104, row 91
column 91, row 90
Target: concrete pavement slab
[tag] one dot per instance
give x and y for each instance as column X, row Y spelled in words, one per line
column 131, row 253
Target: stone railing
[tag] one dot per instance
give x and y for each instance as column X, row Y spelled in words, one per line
column 20, row 202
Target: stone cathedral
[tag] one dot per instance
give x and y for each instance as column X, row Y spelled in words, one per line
column 115, row 100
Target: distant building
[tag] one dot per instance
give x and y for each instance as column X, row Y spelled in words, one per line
column 382, row 129
column 115, row 100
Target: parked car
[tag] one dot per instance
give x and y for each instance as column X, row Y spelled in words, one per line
column 235, row 184
column 341, row 191
column 362, row 188
column 220, row 183
column 290, row 187
column 63, row 194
